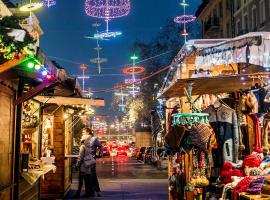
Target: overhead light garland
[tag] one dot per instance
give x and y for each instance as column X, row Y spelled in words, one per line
column 107, row 10
column 184, row 19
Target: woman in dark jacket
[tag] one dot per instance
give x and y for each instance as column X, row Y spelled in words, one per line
column 85, row 171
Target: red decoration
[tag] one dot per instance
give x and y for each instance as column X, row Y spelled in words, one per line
column 133, row 70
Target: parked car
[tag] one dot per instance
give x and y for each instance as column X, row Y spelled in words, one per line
column 121, row 151
column 140, row 153
column 147, row 155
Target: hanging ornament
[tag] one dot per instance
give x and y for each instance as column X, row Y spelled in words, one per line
column 49, row 3
column 107, row 10
column 98, row 60
column 184, row 19
column 30, row 7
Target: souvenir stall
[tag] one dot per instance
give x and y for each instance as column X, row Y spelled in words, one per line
column 217, row 119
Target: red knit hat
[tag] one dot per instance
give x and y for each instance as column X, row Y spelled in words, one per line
column 252, row 161
column 237, row 172
column 225, row 173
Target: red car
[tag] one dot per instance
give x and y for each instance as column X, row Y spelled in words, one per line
column 121, row 151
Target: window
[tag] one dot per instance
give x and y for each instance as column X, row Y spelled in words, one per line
column 254, row 18
column 262, row 12
column 245, row 22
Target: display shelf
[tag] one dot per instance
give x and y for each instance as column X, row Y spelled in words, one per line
column 213, row 85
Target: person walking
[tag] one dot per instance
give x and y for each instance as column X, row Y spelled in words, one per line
column 86, row 162
column 95, row 144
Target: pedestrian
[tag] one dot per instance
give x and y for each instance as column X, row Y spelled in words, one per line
column 86, row 162
column 95, row 144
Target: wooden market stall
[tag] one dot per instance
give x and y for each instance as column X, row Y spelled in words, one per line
column 200, row 75
column 59, row 117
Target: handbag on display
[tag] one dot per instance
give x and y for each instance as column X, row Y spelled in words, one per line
column 203, row 137
column 174, row 137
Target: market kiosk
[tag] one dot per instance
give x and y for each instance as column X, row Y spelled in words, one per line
column 219, row 90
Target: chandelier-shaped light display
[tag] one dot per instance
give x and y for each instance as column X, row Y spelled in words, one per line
column 184, row 19
column 107, row 10
column 49, row 3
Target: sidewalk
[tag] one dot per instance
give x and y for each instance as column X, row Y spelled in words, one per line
column 129, row 189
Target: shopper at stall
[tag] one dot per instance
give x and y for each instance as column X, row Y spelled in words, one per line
column 95, row 144
column 86, row 162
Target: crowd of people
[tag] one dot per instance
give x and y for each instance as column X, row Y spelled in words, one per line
column 87, row 164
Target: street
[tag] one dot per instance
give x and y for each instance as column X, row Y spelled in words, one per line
column 127, row 178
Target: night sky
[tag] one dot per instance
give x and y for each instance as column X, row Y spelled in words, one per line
column 66, row 24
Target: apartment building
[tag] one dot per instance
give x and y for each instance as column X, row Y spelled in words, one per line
column 251, row 16
column 230, row 18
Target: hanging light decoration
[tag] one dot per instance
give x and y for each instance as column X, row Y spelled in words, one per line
column 49, row 3
column 30, row 7
column 107, row 10
column 184, row 19
column 98, row 60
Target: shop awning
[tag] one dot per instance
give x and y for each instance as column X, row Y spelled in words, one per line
column 214, row 85
column 70, row 100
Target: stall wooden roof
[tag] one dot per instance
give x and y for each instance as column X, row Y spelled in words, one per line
column 70, row 101
column 213, row 85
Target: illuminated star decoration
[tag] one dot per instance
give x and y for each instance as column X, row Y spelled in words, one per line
column 107, row 10
column 184, row 19
column 49, row 3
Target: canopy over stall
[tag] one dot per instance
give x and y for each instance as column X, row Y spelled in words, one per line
column 216, row 66
column 70, row 100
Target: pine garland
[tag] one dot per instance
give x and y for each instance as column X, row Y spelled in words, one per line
column 8, row 45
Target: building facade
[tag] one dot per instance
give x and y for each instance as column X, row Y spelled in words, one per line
column 251, row 16
column 216, row 18
column 230, row 18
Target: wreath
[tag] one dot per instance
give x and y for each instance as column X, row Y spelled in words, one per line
column 9, row 47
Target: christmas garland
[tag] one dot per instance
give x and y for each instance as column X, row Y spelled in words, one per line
column 8, row 45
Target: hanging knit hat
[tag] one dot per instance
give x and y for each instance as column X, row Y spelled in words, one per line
column 252, row 161
column 241, row 186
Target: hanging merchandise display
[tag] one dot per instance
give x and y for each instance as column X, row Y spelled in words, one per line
column 107, row 10
column 220, row 122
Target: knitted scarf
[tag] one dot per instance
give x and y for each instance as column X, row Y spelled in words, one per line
column 241, row 186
